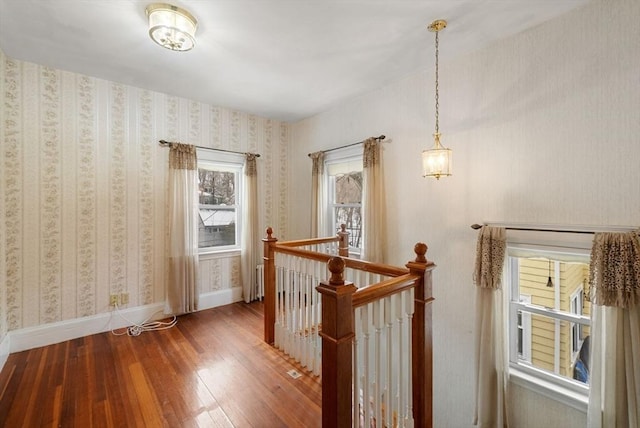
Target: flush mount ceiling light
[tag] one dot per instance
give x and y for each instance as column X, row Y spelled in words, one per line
column 436, row 162
column 171, row 27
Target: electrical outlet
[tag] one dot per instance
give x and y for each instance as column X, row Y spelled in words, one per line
column 113, row 300
column 124, row 298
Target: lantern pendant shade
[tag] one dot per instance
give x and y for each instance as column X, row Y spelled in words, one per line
column 171, row 27
column 436, row 162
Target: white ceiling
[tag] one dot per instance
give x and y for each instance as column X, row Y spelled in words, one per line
column 282, row 59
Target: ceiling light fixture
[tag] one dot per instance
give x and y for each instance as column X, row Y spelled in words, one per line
column 436, row 162
column 171, row 27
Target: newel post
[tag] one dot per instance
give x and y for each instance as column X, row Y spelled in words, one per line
column 421, row 339
column 343, row 241
column 337, row 334
column 268, row 260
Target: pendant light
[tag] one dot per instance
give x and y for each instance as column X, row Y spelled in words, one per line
column 436, row 162
column 550, row 282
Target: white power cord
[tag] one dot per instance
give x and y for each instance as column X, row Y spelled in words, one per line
column 137, row 329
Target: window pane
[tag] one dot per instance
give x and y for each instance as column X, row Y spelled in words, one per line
column 352, row 218
column 217, row 207
column 348, row 188
column 551, row 348
column 557, row 346
column 217, row 227
column 216, row 187
column 567, row 280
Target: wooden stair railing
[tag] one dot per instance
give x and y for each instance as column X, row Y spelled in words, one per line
column 339, row 300
column 270, row 244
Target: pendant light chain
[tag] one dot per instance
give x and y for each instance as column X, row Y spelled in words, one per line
column 437, row 88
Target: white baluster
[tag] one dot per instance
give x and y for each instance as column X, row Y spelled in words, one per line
column 409, row 309
column 357, row 385
column 366, row 369
column 401, row 350
column 389, row 389
column 378, row 322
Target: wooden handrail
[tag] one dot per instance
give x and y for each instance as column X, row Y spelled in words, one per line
column 378, row 268
column 373, row 292
column 305, row 254
column 312, row 241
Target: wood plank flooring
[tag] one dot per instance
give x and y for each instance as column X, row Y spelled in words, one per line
column 211, row 370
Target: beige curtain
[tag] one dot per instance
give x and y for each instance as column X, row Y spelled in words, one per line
column 614, row 278
column 374, row 218
column 317, row 195
column 182, row 287
column 250, row 234
column 490, row 349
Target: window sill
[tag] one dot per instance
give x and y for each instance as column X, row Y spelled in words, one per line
column 218, row 254
column 552, row 390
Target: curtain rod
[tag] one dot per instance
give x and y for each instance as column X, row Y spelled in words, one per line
column 548, row 228
column 168, row 143
column 380, row 138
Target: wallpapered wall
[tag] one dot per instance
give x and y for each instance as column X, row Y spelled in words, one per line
column 85, row 185
column 3, row 241
column 544, row 129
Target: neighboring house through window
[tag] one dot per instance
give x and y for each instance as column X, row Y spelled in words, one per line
column 219, row 197
column 547, row 320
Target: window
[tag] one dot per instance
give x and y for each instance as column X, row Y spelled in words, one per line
column 344, row 195
column 578, row 331
column 548, row 316
column 219, row 190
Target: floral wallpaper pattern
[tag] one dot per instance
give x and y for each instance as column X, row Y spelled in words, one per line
column 83, row 185
column 12, row 168
column 146, row 214
column 86, row 194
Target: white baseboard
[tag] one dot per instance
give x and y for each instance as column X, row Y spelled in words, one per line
column 48, row 334
column 4, row 350
column 220, row 298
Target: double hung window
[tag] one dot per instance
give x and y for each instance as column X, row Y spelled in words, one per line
column 343, row 172
column 219, row 197
column 548, row 317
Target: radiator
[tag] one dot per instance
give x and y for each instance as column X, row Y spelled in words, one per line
column 260, row 282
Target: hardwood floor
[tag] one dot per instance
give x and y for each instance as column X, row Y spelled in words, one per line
column 211, row 370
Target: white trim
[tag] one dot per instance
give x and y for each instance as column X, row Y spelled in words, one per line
column 220, row 298
column 217, row 157
column 570, row 397
column 218, row 254
column 526, row 329
column 5, row 344
column 343, row 154
column 49, row 334
column 577, row 296
column 556, row 293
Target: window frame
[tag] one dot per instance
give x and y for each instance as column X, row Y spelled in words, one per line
column 576, row 298
column 522, row 372
column 230, row 162
column 339, row 156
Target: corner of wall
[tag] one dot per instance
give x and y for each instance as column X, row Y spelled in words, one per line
column 3, row 236
column 5, row 349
